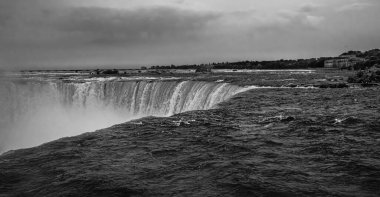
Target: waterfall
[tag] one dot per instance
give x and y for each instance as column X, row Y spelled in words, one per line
column 33, row 112
column 143, row 98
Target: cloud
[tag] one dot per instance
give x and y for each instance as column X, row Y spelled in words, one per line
column 109, row 26
column 299, row 20
column 104, row 26
column 308, row 8
column 72, row 32
column 354, row 6
column 37, row 33
column 314, row 20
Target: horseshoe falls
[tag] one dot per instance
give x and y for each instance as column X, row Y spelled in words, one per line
column 37, row 111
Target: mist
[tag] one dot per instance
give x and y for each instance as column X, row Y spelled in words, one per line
column 34, row 114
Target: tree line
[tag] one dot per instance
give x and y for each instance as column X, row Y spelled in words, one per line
column 372, row 57
column 277, row 64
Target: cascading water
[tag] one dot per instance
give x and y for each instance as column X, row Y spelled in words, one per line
column 33, row 112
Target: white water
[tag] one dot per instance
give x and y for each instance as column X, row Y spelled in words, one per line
column 33, row 112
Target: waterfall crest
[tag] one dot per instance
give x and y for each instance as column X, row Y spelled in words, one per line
column 144, row 98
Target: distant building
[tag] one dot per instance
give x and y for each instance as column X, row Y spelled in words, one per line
column 349, row 56
column 375, row 68
column 343, row 61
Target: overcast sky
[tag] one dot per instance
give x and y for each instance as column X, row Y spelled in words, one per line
column 91, row 33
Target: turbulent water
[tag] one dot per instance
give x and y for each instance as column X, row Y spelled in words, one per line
column 37, row 111
column 261, row 142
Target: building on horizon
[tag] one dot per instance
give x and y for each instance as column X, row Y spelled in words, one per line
column 343, row 61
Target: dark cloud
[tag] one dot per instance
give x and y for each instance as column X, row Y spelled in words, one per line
column 100, row 25
column 110, row 26
column 308, row 8
column 31, row 29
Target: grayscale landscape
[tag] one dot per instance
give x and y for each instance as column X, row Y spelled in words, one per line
column 189, row 98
